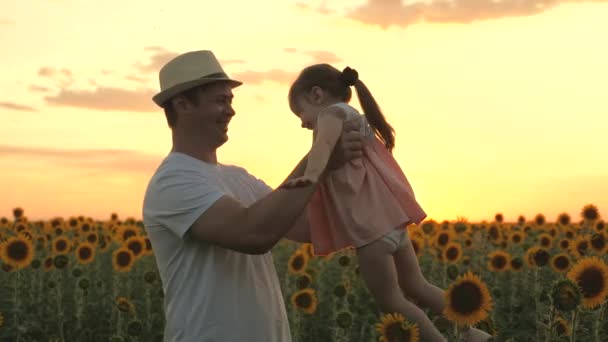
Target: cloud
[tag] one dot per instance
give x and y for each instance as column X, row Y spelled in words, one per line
column 15, row 106
column 107, row 159
column 157, row 60
column 62, row 77
column 317, row 56
column 386, row 13
column 106, row 98
column 7, row 22
column 324, row 57
column 136, row 79
column 38, row 89
column 257, row 77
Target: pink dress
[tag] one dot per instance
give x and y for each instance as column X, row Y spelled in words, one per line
column 363, row 200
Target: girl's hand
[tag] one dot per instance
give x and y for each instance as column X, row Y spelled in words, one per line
column 298, row 182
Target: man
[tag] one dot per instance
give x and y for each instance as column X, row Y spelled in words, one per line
column 212, row 226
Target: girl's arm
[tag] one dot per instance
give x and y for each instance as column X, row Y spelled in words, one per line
column 329, row 128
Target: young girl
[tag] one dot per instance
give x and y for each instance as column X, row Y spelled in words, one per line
column 367, row 203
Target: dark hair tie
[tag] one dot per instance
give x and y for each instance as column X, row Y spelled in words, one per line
column 349, row 76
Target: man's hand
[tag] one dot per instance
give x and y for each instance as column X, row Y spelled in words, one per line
column 349, row 145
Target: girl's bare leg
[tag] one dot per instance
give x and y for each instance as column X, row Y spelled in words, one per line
column 378, row 270
column 414, row 285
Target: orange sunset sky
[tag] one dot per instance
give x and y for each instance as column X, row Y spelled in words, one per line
column 498, row 106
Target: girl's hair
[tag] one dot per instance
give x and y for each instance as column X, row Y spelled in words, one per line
column 338, row 84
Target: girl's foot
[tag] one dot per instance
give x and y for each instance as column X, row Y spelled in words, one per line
column 475, row 335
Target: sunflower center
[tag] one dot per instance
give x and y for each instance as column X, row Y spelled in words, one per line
column 561, row 262
column 499, row 262
column 61, row 245
column 516, row 238
column 18, row 251
column 598, row 242
column 564, row 244
column 443, row 239
column 123, row 259
column 84, row 253
column 395, row 333
column 591, row 281
column 136, row 247
column 541, row 257
column 466, row 298
column 545, row 242
column 582, row 247
column 297, row 263
column 127, row 234
column 92, row 238
column 304, row 300
column 452, row 253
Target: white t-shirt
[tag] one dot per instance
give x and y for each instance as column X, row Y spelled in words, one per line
column 211, row 293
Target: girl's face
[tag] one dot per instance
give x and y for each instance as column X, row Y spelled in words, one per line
column 308, row 107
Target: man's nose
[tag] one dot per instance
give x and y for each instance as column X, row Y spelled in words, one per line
column 230, row 111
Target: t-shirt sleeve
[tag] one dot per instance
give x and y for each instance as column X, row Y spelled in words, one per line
column 260, row 187
column 175, row 200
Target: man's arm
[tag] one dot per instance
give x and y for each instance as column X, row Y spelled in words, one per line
column 256, row 229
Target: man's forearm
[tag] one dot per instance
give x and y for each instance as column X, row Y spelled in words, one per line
column 273, row 216
column 298, row 171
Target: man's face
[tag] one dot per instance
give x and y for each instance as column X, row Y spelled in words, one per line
column 208, row 121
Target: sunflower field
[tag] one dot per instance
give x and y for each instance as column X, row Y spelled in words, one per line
column 78, row 279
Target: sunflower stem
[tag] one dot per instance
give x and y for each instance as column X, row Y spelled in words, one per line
column 60, row 306
column 550, row 325
column 598, row 320
column 573, row 335
column 16, row 302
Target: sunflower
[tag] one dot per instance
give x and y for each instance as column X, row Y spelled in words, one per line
column 564, row 244
column 565, row 295
column 494, row 234
column 442, row 238
column 517, row 237
column 521, row 220
column 136, row 244
column 537, row 256
column 92, row 237
column 580, row 247
column 18, row 212
column 297, row 262
column 125, row 232
column 600, row 225
column 61, row 245
column 562, row 327
column 452, row 253
column 563, row 219
column 122, row 259
column 17, row 252
column 305, row 300
column 394, row 327
column 304, row 280
column 598, row 242
column 517, row 264
column 590, row 213
column 499, row 261
column 468, row 300
column 591, row 275
column 85, row 253
column 545, row 240
column 417, row 244
column 124, row 304
column 147, row 246
column 48, row 264
column 560, row 262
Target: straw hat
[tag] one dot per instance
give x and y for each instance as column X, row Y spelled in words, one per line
column 187, row 71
